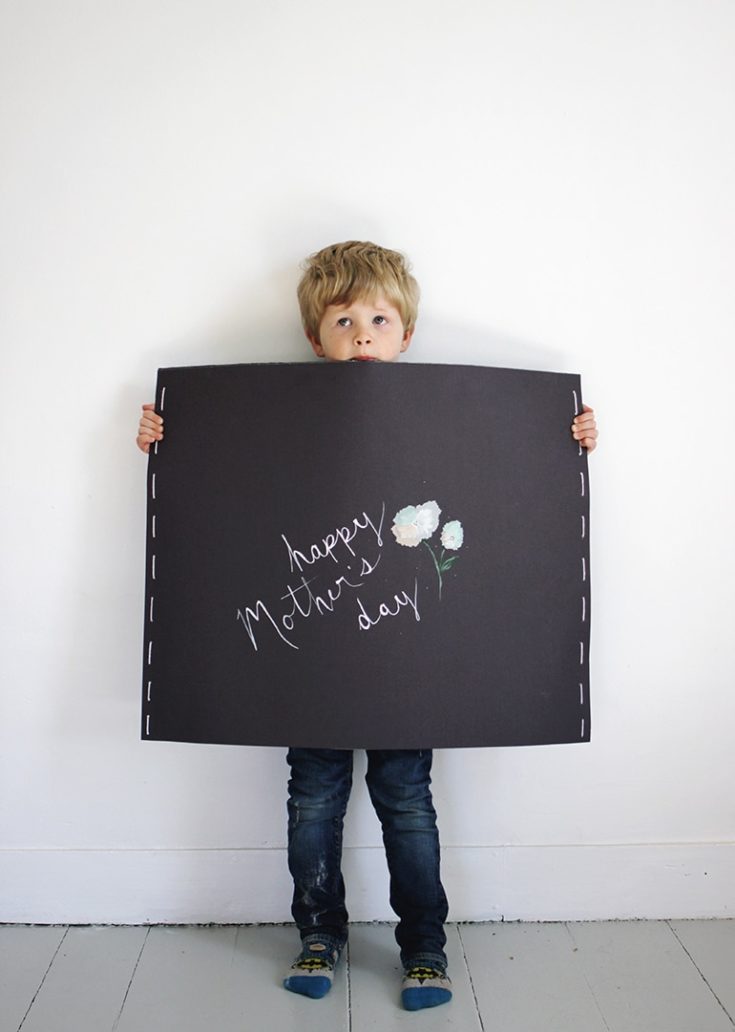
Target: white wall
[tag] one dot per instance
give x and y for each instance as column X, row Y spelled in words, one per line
column 561, row 174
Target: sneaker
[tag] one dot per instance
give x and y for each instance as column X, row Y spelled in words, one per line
column 425, row 987
column 312, row 973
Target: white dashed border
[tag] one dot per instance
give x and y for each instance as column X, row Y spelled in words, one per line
column 151, row 599
column 583, row 492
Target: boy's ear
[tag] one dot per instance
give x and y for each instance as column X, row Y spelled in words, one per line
column 318, row 349
column 406, row 340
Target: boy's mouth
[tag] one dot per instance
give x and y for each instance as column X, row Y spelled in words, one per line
column 364, row 358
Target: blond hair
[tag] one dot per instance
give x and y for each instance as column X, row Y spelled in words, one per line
column 352, row 271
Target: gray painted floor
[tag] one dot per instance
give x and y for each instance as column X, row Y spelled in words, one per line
column 619, row 976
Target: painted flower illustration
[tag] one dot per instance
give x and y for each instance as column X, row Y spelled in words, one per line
column 414, row 524
column 452, row 534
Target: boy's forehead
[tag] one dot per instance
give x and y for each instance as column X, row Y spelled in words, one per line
column 377, row 301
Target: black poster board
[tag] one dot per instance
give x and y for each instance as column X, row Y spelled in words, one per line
column 367, row 555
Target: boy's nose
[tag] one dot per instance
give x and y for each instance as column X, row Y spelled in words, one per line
column 362, row 337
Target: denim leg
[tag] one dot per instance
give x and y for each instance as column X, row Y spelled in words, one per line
column 318, row 790
column 398, row 782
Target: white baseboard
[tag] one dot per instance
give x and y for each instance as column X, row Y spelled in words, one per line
column 251, row 886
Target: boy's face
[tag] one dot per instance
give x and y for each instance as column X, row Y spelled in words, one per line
column 368, row 329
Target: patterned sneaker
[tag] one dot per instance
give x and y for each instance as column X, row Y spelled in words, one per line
column 312, row 972
column 425, row 987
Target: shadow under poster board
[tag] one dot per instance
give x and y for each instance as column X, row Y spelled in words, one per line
column 367, row 555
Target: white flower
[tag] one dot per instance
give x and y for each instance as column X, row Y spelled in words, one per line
column 414, row 523
column 452, row 534
column 427, row 518
column 407, row 535
column 405, row 516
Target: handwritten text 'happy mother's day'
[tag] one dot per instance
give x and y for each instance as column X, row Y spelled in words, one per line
column 343, row 546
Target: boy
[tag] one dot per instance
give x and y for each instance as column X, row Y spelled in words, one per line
column 359, row 302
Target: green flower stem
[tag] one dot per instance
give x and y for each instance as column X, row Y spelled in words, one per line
column 436, row 564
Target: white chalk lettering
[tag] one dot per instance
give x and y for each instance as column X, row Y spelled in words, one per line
column 326, row 548
column 303, row 601
column 404, row 599
column 317, row 600
column 254, row 614
column 367, row 569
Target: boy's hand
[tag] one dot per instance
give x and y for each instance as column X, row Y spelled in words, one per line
column 150, row 428
column 584, row 428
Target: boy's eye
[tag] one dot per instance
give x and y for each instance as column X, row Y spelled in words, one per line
column 379, row 319
column 343, row 321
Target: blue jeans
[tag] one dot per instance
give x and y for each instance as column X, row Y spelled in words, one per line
column 398, row 782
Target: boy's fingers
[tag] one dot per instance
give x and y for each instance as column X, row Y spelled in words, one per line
column 586, row 416
column 150, row 428
column 583, row 425
column 151, row 414
column 584, row 428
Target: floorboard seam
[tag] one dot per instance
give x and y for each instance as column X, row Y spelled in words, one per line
column 586, row 980
column 132, row 976
column 45, row 974
column 348, row 973
column 701, row 974
column 469, row 975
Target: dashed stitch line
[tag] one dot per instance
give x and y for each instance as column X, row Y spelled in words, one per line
column 584, row 571
column 153, row 574
column 583, row 527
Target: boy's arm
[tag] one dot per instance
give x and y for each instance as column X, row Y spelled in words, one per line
column 150, row 428
column 584, row 428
